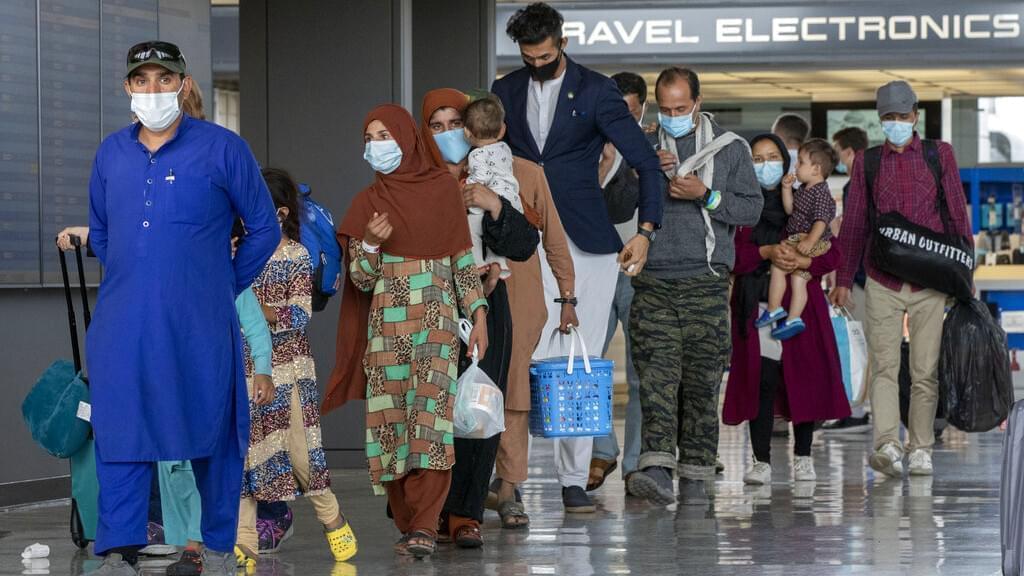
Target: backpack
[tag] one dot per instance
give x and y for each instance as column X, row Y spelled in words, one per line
column 318, row 236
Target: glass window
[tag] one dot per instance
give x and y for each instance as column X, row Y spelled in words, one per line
column 1001, row 130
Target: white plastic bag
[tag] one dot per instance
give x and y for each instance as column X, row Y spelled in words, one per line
column 479, row 404
column 853, row 353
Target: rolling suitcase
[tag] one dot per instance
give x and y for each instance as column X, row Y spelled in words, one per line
column 1011, row 492
column 84, row 485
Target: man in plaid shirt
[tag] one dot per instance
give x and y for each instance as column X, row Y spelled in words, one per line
column 904, row 183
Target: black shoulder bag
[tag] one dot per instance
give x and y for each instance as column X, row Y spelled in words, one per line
column 914, row 253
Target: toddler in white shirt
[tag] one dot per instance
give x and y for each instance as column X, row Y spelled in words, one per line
column 490, row 164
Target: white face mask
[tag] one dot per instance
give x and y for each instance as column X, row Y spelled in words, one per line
column 156, row 111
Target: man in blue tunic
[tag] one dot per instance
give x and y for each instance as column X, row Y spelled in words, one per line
column 164, row 350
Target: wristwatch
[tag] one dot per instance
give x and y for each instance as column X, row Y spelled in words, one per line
column 572, row 301
column 649, row 234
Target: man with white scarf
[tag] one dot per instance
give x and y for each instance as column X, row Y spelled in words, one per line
column 679, row 320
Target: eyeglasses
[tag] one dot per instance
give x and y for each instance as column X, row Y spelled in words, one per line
column 163, row 51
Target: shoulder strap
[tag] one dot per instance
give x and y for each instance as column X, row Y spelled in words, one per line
column 930, row 149
column 872, row 163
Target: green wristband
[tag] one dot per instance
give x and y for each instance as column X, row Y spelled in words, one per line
column 714, row 200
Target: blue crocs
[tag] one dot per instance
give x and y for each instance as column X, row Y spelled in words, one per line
column 788, row 328
column 768, row 318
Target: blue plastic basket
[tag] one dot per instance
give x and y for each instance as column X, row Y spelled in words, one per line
column 577, row 404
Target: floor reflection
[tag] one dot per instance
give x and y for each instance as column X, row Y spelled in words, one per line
column 851, row 521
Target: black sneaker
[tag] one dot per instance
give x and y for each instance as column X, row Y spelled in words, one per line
column 576, row 501
column 653, row 483
column 694, row 492
column 848, row 425
column 190, row 564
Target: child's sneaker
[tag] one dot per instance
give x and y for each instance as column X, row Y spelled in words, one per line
column 190, row 564
column 769, row 318
column 273, row 533
column 788, row 328
column 342, row 542
column 245, row 560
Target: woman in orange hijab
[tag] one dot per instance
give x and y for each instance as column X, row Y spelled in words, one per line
column 410, row 273
column 518, row 302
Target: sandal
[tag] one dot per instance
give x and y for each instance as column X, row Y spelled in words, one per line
column 492, row 495
column 599, row 472
column 469, row 537
column 421, row 543
column 402, row 546
column 513, row 515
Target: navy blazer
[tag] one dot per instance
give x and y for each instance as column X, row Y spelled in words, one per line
column 590, row 111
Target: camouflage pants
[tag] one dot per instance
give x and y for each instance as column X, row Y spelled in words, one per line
column 679, row 331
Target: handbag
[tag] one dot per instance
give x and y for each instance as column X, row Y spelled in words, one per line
column 57, row 410
column 915, row 253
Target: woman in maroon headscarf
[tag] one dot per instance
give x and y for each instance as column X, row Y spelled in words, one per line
column 407, row 247
column 521, row 297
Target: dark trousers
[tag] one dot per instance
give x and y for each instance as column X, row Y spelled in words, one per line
column 761, row 427
column 474, row 459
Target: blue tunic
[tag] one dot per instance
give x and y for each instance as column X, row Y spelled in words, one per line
column 164, row 348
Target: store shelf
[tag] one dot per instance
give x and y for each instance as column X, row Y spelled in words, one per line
column 999, row 278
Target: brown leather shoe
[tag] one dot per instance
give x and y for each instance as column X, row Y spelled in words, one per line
column 599, row 472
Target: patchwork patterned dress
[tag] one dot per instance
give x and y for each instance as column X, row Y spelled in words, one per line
column 412, row 358
column 285, row 285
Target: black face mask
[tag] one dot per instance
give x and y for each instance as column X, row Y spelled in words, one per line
column 547, row 71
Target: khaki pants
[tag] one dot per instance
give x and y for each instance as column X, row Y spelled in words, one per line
column 514, row 448
column 884, row 331
column 325, row 505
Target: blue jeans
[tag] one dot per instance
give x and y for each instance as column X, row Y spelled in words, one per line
column 607, row 447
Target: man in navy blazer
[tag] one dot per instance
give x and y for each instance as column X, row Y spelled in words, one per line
column 560, row 115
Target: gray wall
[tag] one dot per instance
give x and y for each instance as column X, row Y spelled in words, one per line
column 303, row 105
column 53, row 113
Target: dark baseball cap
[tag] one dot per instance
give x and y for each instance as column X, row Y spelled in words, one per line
column 896, row 96
column 156, row 52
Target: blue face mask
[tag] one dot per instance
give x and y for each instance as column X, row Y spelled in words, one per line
column 677, row 126
column 841, row 168
column 899, row 133
column 453, row 145
column 383, row 155
column 769, row 174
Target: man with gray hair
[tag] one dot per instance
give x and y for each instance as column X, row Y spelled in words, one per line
column 907, row 175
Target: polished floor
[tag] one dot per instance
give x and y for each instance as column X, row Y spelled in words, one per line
column 850, row 522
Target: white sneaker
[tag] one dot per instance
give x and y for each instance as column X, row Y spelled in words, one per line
column 888, row 460
column 759, row 474
column 920, row 463
column 803, row 469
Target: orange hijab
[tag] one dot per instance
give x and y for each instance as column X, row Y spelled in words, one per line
column 432, row 102
column 425, row 208
column 451, row 98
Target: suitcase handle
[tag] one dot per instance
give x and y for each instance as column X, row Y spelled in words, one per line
column 72, row 318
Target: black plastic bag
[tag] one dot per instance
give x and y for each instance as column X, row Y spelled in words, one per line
column 974, row 368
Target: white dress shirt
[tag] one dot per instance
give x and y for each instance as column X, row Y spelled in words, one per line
column 540, row 108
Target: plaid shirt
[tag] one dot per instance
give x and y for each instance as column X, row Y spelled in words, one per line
column 905, row 184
